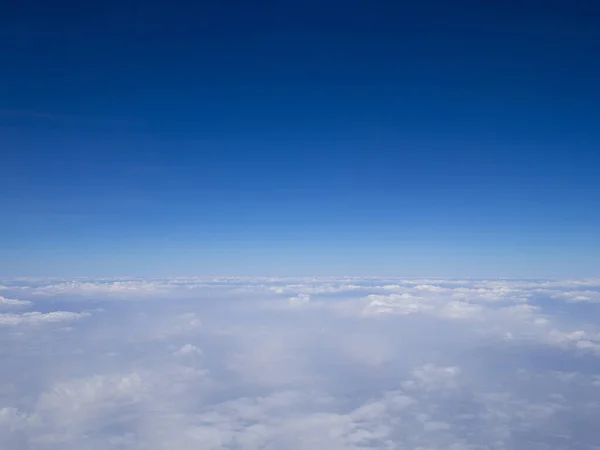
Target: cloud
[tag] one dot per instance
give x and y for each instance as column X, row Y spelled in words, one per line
column 8, row 302
column 102, row 287
column 188, row 350
column 430, row 377
column 395, row 304
column 300, row 299
column 37, row 318
column 299, row 363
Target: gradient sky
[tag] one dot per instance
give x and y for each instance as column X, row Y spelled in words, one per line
column 432, row 138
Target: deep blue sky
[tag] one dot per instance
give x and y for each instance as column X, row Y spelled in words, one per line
column 439, row 138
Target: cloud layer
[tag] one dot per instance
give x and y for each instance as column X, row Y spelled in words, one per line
column 305, row 363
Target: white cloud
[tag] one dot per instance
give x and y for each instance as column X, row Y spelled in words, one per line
column 299, row 363
column 101, row 287
column 300, row 299
column 577, row 296
column 395, row 304
column 37, row 318
column 460, row 310
column 432, row 377
column 13, row 302
column 429, row 287
column 188, row 350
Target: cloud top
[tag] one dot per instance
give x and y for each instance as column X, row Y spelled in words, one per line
column 303, row 363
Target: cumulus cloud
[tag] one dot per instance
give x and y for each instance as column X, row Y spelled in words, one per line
column 188, row 350
column 299, row 299
column 8, row 302
column 395, row 304
column 299, row 363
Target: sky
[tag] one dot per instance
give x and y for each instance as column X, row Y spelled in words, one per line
column 434, row 138
column 299, row 225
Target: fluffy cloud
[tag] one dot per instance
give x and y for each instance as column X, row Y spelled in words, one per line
column 300, row 299
column 303, row 363
column 10, row 302
column 188, row 350
column 395, row 304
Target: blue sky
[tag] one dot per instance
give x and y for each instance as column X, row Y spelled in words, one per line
column 394, row 138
